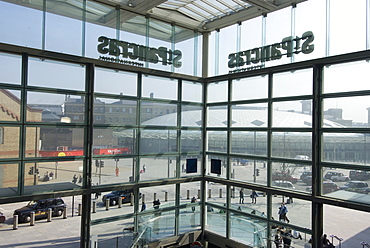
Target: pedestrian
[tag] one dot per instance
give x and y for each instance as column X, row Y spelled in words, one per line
column 254, row 196
column 156, row 204
column 193, row 200
column 74, row 179
column 241, row 196
column 80, row 179
column 143, row 207
column 51, row 175
column 283, row 210
column 326, row 243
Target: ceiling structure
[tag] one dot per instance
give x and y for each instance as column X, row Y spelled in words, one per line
column 186, row 15
column 203, row 15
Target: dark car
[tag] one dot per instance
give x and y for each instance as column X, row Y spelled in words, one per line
column 125, row 195
column 305, row 174
column 356, row 186
column 359, row 175
column 40, row 208
column 283, row 176
column 327, row 187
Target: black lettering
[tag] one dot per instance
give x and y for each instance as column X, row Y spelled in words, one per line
column 306, row 46
column 176, row 60
column 266, row 53
column 102, row 46
column 239, row 59
column 287, row 44
column 232, row 60
column 113, row 47
column 153, row 55
column 275, row 52
column 257, row 57
column 135, row 51
column 124, row 46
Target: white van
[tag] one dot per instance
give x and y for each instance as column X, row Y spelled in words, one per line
column 302, row 157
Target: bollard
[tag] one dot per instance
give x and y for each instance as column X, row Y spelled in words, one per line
column 15, row 222
column 94, row 207
column 154, row 196
column 132, row 199
column 119, row 202
column 166, row 196
column 188, row 194
column 64, row 212
column 209, row 193
column 220, row 193
column 198, row 193
column 32, row 221
column 107, row 204
column 79, row 209
column 143, row 197
column 49, row 215
column 233, row 193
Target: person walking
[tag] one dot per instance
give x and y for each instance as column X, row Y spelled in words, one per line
column 254, row 196
column 283, row 210
column 193, row 200
column 143, row 207
column 241, row 196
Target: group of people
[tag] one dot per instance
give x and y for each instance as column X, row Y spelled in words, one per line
column 48, row 176
column 253, row 196
column 75, row 179
column 283, row 237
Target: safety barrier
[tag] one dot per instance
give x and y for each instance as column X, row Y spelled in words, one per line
column 337, row 238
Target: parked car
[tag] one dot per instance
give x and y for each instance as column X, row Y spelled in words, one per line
column 359, row 175
column 283, row 184
column 327, row 187
column 283, row 176
column 40, row 208
column 125, row 195
column 305, row 174
column 336, row 176
column 356, row 186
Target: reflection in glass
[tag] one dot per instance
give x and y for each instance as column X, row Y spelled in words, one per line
column 115, row 111
column 216, row 220
column 248, row 230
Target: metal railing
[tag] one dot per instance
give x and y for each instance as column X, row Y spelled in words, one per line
column 337, row 238
column 364, row 244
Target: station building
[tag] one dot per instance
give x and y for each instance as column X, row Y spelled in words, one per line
column 211, row 99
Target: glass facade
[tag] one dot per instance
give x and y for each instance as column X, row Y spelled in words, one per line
column 108, row 112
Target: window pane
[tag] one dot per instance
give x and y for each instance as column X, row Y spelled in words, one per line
column 249, row 115
column 346, row 112
column 10, row 68
column 115, row 82
column 8, row 179
column 115, row 111
column 242, row 88
column 47, row 107
column 158, row 141
column 192, row 91
column 157, row 168
column 54, row 142
column 111, row 171
column 217, row 141
column 191, row 116
column 248, row 230
column 293, row 83
column 60, row 37
column 292, row 114
column 337, row 77
column 10, row 144
column 291, row 144
column 158, row 114
column 217, row 116
column 346, row 148
column 249, row 170
column 43, row 177
column 217, row 92
column 11, row 107
column 249, row 142
column 191, row 141
column 156, row 87
column 48, row 73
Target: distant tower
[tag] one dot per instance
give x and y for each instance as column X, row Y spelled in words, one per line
column 306, row 107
